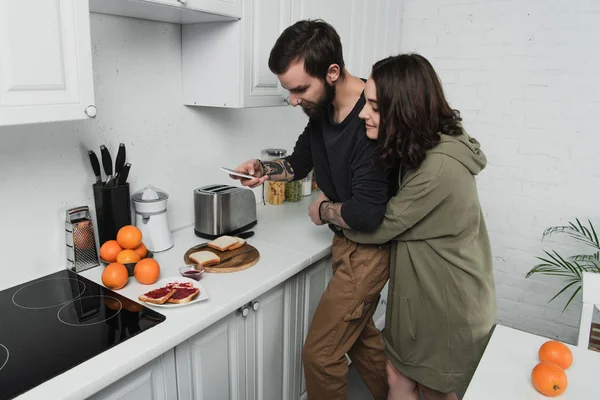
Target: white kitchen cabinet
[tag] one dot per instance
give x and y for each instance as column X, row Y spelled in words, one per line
column 174, row 11
column 316, row 278
column 369, row 30
column 271, row 360
column 45, row 61
column 212, row 364
column 154, row 381
column 226, row 64
column 249, row 355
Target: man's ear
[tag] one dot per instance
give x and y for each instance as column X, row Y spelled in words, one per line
column 333, row 74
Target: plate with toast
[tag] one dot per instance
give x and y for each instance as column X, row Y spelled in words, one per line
column 223, row 254
column 174, row 292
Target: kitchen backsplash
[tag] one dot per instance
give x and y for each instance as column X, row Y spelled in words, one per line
column 137, row 82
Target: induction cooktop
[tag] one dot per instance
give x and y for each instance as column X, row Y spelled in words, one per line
column 52, row 324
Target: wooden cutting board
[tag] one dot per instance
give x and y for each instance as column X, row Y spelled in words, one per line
column 242, row 258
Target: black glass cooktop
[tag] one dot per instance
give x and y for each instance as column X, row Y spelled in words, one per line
column 54, row 323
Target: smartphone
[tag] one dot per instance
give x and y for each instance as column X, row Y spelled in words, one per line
column 234, row 172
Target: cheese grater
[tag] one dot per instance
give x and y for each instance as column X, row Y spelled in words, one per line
column 80, row 240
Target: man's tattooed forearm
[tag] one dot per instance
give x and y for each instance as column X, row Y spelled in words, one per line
column 279, row 170
column 332, row 213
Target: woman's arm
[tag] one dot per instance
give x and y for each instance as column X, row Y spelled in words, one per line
column 422, row 191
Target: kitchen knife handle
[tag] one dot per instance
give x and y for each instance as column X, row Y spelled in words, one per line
column 95, row 165
column 106, row 162
column 120, row 162
column 124, row 174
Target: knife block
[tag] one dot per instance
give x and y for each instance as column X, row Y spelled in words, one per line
column 113, row 210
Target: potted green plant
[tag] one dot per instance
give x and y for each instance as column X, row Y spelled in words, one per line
column 570, row 268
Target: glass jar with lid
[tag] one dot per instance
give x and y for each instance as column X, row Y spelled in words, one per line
column 275, row 190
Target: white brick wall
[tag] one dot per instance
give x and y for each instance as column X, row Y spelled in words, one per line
column 525, row 75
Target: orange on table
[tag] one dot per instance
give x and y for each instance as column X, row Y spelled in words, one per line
column 109, row 251
column 115, row 276
column 128, row 256
column 129, row 237
column 147, row 271
column 557, row 353
column 549, row 379
column 141, row 250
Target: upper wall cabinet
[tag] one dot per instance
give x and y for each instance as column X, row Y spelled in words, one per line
column 226, row 64
column 45, row 61
column 175, row 11
column 369, row 30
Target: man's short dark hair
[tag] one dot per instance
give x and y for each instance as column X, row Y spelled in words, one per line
column 313, row 41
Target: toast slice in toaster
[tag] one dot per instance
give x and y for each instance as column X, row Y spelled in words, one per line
column 223, row 243
column 205, row 258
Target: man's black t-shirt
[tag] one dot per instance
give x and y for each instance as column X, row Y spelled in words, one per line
column 343, row 160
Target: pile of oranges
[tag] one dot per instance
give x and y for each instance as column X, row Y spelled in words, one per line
column 548, row 376
column 128, row 248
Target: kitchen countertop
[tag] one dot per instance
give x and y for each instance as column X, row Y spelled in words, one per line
column 288, row 242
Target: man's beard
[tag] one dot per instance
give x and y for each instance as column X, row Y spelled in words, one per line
column 319, row 108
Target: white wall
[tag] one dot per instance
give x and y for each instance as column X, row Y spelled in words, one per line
column 525, row 76
column 137, row 80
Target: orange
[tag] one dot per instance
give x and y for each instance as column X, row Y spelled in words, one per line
column 128, row 256
column 141, row 250
column 557, row 353
column 115, row 276
column 147, row 271
column 129, row 237
column 109, row 251
column 549, row 379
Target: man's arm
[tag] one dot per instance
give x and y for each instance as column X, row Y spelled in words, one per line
column 278, row 170
column 370, row 186
column 294, row 167
column 370, row 191
column 332, row 213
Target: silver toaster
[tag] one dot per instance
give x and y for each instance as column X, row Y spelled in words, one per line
column 223, row 210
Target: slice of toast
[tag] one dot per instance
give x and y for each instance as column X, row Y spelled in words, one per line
column 157, row 296
column 223, row 243
column 184, row 295
column 205, row 258
column 180, row 285
column 239, row 244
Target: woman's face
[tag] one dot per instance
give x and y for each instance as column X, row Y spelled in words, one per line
column 370, row 112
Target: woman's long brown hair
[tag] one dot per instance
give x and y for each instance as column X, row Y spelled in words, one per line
column 413, row 110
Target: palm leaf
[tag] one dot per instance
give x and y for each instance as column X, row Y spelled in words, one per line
column 568, row 286
column 572, row 297
column 572, row 268
column 577, row 232
column 590, row 262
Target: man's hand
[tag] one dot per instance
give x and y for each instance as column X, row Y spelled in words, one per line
column 313, row 209
column 250, row 167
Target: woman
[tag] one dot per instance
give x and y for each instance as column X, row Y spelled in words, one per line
column 442, row 304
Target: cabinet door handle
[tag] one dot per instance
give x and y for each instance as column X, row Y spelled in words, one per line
column 255, row 305
column 244, row 311
column 91, row 111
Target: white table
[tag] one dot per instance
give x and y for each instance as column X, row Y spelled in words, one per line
column 504, row 371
